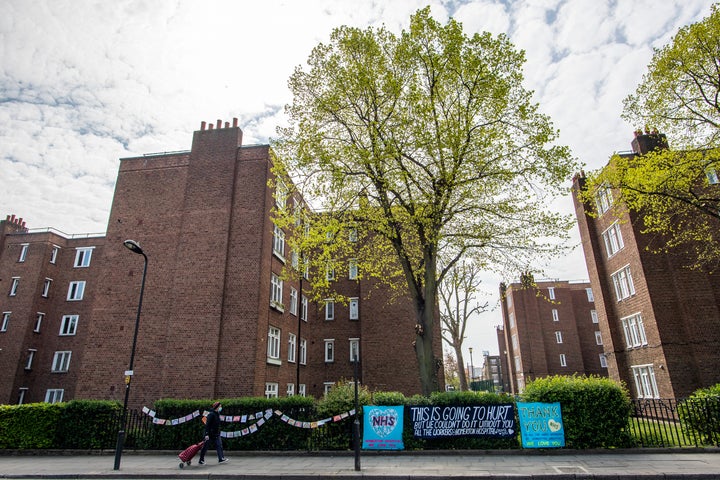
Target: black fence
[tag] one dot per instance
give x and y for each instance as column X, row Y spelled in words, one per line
column 676, row 423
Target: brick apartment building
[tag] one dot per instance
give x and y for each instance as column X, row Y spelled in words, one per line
column 660, row 321
column 217, row 321
column 550, row 327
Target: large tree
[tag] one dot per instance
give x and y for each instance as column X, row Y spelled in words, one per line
column 458, row 304
column 675, row 190
column 426, row 144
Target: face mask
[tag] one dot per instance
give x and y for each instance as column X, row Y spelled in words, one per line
column 219, row 409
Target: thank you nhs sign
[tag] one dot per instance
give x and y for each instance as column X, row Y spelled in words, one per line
column 383, row 427
column 541, row 425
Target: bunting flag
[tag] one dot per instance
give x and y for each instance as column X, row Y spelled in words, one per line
column 261, row 417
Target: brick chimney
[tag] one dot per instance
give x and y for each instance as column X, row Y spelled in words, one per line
column 649, row 141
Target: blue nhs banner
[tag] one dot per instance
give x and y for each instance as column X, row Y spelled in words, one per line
column 383, row 428
column 541, row 425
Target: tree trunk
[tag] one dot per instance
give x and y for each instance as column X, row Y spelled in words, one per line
column 460, row 365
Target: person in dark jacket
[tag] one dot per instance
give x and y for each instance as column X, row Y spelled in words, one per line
column 212, row 434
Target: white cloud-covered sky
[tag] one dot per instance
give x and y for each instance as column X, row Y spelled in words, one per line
column 84, row 83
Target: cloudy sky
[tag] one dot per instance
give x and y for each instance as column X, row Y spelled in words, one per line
column 84, row 83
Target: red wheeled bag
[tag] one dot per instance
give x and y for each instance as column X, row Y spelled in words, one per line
column 189, row 453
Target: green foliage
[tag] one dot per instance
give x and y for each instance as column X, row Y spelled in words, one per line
column 429, row 145
column 595, row 410
column 30, row 425
column 88, row 424
column 700, row 414
column 679, row 92
column 340, row 399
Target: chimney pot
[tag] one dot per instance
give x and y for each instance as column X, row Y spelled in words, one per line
column 219, row 124
column 202, row 125
column 210, row 126
column 235, row 122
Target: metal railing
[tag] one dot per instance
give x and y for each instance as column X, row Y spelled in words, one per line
column 676, row 423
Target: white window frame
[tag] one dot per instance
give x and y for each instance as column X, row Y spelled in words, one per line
column 14, row 284
column 39, row 317
column 303, row 308
column 54, row 395
column 352, row 269
column 634, row 330
column 76, row 291
column 21, row 395
column 273, row 345
column 329, row 273
column 329, row 309
column 613, row 239
column 276, row 292
column 290, row 390
column 558, row 337
column 271, row 389
column 303, row 351
column 511, row 319
column 54, row 254
column 603, row 361
column 295, row 260
column 555, row 315
column 354, row 349
column 68, row 325
column 603, row 199
column 645, row 383
column 329, row 350
column 281, row 193
column 23, row 252
column 594, row 316
column 327, row 387
column 46, row 287
column 623, row 283
column 598, row 337
column 515, row 342
column 551, row 293
column 354, row 308
column 352, row 235
column 712, row 176
column 278, row 242
column 563, row 360
column 61, row 361
column 590, row 295
column 83, row 256
column 292, row 347
column 301, row 390
column 293, row 301
column 30, row 357
column 5, row 321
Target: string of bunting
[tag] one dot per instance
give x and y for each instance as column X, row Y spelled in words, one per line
column 261, row 418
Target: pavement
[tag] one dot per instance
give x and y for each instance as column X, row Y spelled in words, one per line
column 636, row 464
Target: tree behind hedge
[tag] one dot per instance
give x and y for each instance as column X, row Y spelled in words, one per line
column 595, row 410
column 700, row 414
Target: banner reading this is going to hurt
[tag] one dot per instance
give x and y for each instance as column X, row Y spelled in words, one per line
column 492, row 420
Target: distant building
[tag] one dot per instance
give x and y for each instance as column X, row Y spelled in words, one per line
column 492, row 371
column 218, row 320
column 660, row 321
column 550, row 327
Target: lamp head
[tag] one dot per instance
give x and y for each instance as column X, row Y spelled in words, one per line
column 133, row 246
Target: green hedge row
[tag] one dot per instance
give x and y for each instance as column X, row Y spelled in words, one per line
column 595, row 414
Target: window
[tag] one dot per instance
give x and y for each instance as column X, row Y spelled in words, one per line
column 598, row 338
column 591, row 297
column 594, row 316
column 712, row 176
column 634, row 331
column 303, row 308
column 603, row 199
column 558, row 337
column 515, row 343
column 30, row 358
column 563, row 360
column 551, row 293
column 354, row 308
column 54, row 254
column 622, row 280
column 511, row 319
column 294, row 260
column 290, row 389
column 613, row 239
column 54, row 395
column 21, row 395
column 328, row 386
column 329, row 309
column 5, row 321
column 23, row 252
column 644, row 376
column 292, row 347
column 508, row 300
column 39, row 317
column 61, row 362
column 279, row 242
column 352, row 235
column 293, row 301
column 271, row 390
column 603, row 360
column 329, row 273
column 354, row 349
column 46, row 287
column 281, row 194
column 518, row 364
column 14, row 283
column 556, row 317
column 276, row 290
column 273, row 348
column 68, row 325
column 76, row 290
column 352, row 269
column 303, row 351
column 329, row 350
column 82, row 257
column 301, row 389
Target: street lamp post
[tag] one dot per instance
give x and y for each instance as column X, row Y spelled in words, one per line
column 134, row 247
column 356, row 421
column 472, row 369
